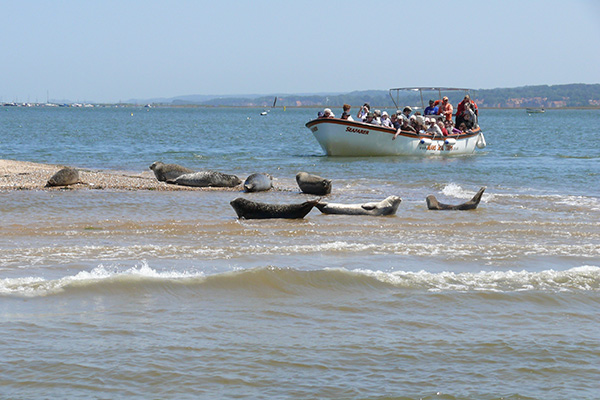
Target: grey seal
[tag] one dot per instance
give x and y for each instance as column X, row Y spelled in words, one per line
column 472, row 204
column 258, row 183
column 64, row 177
column 388, row 206
column 206, row 179
column 254, row 210
column 313, row 184
column 165, row 172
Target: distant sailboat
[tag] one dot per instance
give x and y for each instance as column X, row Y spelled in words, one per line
column 267, row 111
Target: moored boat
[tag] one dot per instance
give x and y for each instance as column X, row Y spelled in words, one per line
column 340, row 137
column 535, row 110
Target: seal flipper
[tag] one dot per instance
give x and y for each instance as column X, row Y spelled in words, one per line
column 472, row 204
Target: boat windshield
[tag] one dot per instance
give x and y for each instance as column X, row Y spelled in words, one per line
column 415, row 96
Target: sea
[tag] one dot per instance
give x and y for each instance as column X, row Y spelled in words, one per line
column 123, row 294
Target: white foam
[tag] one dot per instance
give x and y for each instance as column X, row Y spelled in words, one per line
column 579, row 278
column 457, row 191
column 38, row 286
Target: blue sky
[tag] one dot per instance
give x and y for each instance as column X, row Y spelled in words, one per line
column 107, row 51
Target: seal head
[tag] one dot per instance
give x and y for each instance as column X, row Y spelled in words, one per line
column 165, row 172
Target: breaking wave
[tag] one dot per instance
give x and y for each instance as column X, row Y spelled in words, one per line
column 104, row 279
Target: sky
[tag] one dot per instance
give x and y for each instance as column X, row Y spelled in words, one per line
column 111, row 51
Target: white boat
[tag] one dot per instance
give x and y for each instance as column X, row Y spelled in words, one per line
column 339, row 137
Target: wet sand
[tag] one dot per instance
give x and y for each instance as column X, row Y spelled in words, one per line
column 24, row 175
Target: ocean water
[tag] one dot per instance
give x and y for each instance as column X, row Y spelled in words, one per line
column 154, row 295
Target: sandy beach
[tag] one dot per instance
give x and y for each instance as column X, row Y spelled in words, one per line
column 24, row 175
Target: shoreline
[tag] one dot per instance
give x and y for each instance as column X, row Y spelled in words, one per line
column 26, row 175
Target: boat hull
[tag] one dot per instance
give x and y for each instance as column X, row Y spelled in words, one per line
column 340, row 137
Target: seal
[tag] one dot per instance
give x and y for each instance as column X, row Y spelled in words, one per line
column 313, row 184
column 388, row 206
column 165, row 172
column 64, row 177
column 472, row 204
column 254, row 210
column 206, row 179
column 258, row 183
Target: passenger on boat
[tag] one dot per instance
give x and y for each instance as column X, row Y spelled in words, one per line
column 452, row 130
column 469, row 117
column 377, row 116
column 328, row 114
column 460, row 109
column 432, row 127
column 346, row 113
column 385, row 120
column 446, row 109
column 396, row 122
column 406, row 127
column 442, row 127
column 406, row 112
column 363, row 111
column 432, row 109
column 418, row 122
column 370, row 119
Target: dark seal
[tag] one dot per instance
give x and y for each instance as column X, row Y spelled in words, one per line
column 313, row 184
column 254, row 210
column 472, row 204
column 64, row 177
column 165, row 172
column 206, row 179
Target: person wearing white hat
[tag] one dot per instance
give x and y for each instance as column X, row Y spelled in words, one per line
column 385, row 120
column 432, row 127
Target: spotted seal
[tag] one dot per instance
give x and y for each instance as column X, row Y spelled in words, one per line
column 388, row 206
column 206, row 179
column 64, row 177
column 313, row 184
column 472, row 204
column 258, row 183
column 165, row 172
column 254, row 210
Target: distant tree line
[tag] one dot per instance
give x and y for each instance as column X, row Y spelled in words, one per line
column 556, row 96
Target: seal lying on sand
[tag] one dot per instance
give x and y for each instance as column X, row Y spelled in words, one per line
column 254, row 210
column 472, row 204
column 64, row 177
column 165, row 172
column 313, row 184
column 388, row 206
column 205, row 179
column 258, row 183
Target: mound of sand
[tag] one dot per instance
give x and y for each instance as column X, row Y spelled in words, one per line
column 23, row 175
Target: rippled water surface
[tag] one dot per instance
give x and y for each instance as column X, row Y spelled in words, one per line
column 123, row 294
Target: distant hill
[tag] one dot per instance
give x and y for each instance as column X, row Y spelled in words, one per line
column 556, row 96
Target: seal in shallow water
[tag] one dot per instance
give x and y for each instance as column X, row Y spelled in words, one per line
column 313, row 184
column 258, row 183
column 472, row 204
column 206, row 179
column 388, row 206
column 64, row 177
column 165, row 172
column 254, row 210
